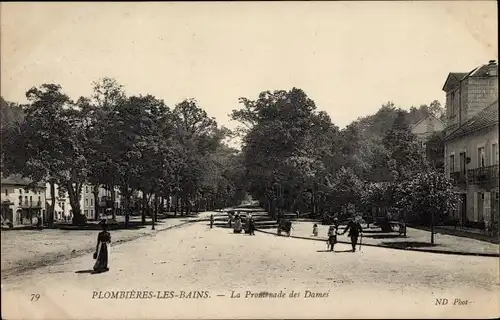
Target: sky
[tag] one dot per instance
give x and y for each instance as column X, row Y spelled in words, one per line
column 349, row 57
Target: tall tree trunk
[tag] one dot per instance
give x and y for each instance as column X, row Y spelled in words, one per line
column 113, row 199
column 168, row 203
column 188, row 206
column 180, row 204
column 143, row 209
column 50, row 220
column 162, row 206
column 95, row 192
column 155, row 217
column 126, row 193
column 176, row 203
column 74, row 192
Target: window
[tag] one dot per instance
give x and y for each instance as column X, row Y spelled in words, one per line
column 480, row 206
column 6, row 192
column 91, row 201
column 86, row 202
column 494, row 153
column 86, row 213
column 91, row 212
column 463, row 162
column 31, row 198
column 452, row 163
column 39, row 199
column 481, row 159
column 86, row 189
column 21, row 191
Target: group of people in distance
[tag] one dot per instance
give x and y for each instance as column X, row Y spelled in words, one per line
column 238, row 224
column 353, row 227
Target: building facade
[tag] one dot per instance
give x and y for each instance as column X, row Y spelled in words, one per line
column 426, row 127
column 104, row 200
column 62, row 208
column 64, row 212
column 22, row 204
column 471, row 143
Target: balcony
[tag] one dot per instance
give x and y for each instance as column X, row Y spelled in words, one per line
column 484, row 176
column 458, row 178
column 31, row 204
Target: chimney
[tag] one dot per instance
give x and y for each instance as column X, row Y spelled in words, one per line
column 492, row 68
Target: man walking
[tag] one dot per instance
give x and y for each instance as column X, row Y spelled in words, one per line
column 354, row 228
column 211, row 221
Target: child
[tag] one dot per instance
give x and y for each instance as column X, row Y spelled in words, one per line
column 332, row 235
column 315, row 230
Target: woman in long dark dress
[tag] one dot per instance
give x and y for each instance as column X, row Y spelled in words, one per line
column 101, row 253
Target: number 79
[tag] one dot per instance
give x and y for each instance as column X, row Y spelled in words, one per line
column 35, row 297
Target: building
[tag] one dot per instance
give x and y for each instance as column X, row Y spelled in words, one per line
column 62, row 208
column 471, row 142
column 22, row 202
column 426, row 127
column 87, row 201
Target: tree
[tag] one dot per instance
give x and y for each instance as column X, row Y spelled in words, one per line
column 427, row 198
column 435, row 150
column 98, row 112
column 404, row 156
column 197, row 135
column 346, row 189
column 45, row 141
column 10, row 114
column 285, row 147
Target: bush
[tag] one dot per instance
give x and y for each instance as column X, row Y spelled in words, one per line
column 450, row 221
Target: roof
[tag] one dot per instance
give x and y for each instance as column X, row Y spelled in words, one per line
column 453, row 79
column 486, row 118
column 17, row 179
column 413, row 125
column 456, row 77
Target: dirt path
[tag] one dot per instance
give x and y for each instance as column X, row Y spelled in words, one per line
column 375, row 282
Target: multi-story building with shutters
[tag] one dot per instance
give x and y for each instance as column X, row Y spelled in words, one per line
column 22, row 201
column 471, row 143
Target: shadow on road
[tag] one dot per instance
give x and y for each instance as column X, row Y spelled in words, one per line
column 373, row 231
column 91, row 271
column 408, row 244
column 341, row 251
column 383, row 236
column 85, row 271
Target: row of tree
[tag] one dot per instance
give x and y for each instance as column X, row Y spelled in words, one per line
column 297, row 159
column 134, row 143
column 293, row 156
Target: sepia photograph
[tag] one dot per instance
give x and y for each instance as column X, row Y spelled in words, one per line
column 249, row 160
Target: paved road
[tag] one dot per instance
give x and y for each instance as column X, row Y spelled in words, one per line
column 375, row 282
column 26, row 249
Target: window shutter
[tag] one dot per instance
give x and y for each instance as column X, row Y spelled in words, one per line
column 475, row 206
column 487, row 206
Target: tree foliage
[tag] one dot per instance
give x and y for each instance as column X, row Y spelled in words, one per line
column 135, row 143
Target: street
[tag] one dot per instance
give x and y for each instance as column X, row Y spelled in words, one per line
column 372, row 283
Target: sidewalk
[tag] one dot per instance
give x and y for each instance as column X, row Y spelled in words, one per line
column 416, row 239
column 28, row 249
